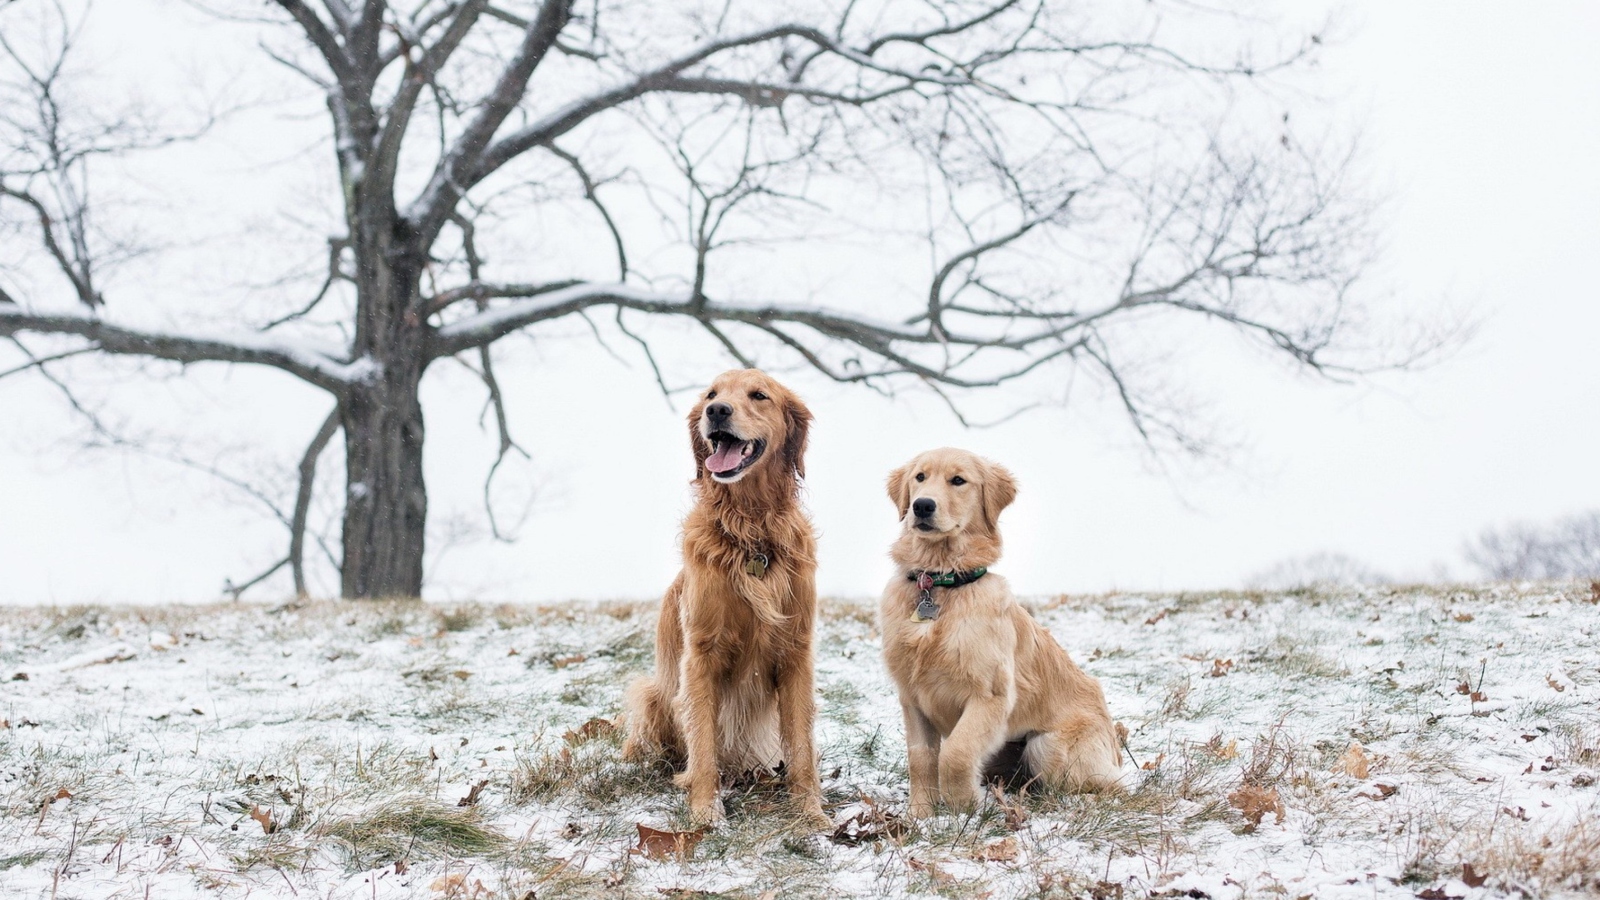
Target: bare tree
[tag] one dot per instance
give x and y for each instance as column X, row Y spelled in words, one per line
column 1082, row 181
column 1567, row 548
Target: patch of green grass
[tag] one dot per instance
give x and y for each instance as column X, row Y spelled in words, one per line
column 411, row 828
column 22, row 860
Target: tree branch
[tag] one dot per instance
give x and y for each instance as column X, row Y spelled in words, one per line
column 321, row 369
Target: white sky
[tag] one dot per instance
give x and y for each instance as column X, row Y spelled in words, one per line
column 1484, row 118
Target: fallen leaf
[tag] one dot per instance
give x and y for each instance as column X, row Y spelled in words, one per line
column 1015, row 815
column 1218, row 749
column 462, row 674
column 433, row 755
column 565, row 661
column 1530, row 737
column 588, row 731
column 933, row 871
column 1478, row 697
column 264, row 817
column 1470, row 876
column 1463, row 688
column 1559, row 687
column 866, row 821
column 1384, row 792
column 1519, row 813
column 1462, row 617
column 1105, row 890
column 401, row 867
column 1436, row 894
column 20, row 676
column 657, row 844
column 1220, row 667
column 1158, row 617
column 1354, row 762
column 1003, row 850
column 471, row 799
column 1154, row 763
column 1255, row 802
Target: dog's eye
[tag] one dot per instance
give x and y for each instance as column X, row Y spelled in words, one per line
column 757, row 395
column 921, row 477
column 958, row 481
column 712, row 395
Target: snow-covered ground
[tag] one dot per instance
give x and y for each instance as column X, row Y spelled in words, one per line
column 1380, row 739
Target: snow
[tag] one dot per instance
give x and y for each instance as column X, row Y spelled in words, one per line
column 138, row 741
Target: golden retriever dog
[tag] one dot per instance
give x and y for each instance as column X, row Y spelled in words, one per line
column 976, row 673
column 732, row 689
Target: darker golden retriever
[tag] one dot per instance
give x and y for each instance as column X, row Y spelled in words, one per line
column 732, row 689
column 975, row 672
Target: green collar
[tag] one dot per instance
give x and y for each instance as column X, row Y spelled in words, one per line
column 927, row 610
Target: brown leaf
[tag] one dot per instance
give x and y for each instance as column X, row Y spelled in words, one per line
column 1354, row 762
column 590, row 730
column 870, row 822
column 462, row 674
column 565, row 661
column 933, row 871
column 471, row 799
column 1384, row 792
column 1470, row 876
column 1218, row 749
column 1154, row 763
column 401, row 867
column 1519, row 813
column 433, row 755
column 62, row 794
column 657, row 844
column 1015, row 815
column 1462, row 617
column 1463, row 688
column 1158, row 617
column 1478, row 697
column 1003, row 850
column 1256, row 802
column 1436, row 894
column 1559, row 687
column 264, row 817
column 1220, row 667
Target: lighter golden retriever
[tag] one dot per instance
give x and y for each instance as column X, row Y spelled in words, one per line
column 732, row 689
column 974, row 670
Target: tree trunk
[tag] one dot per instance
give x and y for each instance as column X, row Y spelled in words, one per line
column 386, row 502
column 386, row 505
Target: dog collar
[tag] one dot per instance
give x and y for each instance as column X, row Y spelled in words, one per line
column 927, row 610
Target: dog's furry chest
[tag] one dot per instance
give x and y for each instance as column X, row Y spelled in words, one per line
column 943, row 663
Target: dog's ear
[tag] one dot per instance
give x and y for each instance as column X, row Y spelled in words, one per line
column 697, row 445
column 999, row 489
column 797, row 430
column 900, row 489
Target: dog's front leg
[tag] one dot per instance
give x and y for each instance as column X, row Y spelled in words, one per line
column 797, row 711
column 977, row 735
column 922, row 750
column 698, row 702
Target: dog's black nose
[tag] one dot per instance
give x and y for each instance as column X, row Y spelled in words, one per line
column 923, row 507
column 718, row 412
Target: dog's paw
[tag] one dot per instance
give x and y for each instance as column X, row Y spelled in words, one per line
column 707, row 813
column 812, row 818
column 920, row 809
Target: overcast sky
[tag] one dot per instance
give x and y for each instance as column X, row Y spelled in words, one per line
column 1482, row 122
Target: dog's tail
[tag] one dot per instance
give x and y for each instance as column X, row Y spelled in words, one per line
column 647, row 715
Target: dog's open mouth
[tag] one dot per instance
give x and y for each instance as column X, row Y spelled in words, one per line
column 731, row 455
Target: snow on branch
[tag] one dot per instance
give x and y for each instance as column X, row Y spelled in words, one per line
column 319, row 366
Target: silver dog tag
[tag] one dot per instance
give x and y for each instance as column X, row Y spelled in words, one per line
column 927, row 610
column 757, row 565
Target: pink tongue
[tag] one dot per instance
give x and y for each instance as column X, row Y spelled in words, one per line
column 727, row 458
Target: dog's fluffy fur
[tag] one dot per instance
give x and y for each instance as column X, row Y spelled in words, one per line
column 982, row 675
column 732, row 689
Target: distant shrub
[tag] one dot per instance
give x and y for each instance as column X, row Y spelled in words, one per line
column 1316, row 570
column 1567, row 548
